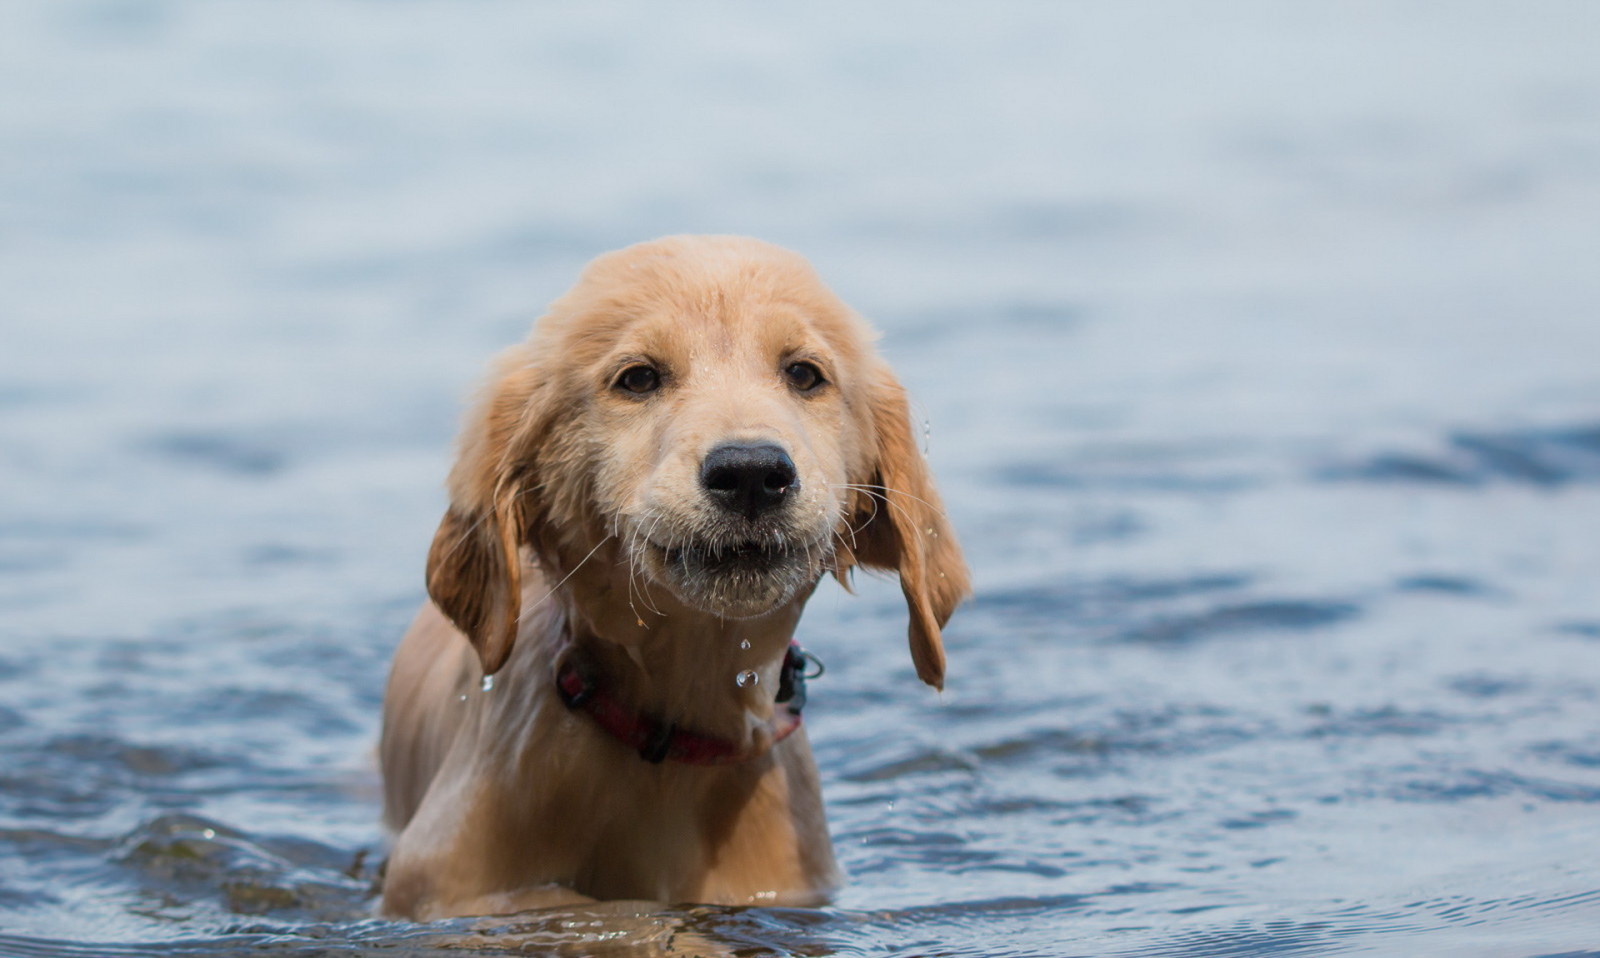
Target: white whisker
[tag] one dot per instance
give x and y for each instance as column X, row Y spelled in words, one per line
column 546, row 597
column 886, row 489
column 881, row 492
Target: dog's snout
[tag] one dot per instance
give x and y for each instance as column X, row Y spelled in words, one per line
column 748, row 478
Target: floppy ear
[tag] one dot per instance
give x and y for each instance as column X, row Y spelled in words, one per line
column 474, row 566
column 907, row 531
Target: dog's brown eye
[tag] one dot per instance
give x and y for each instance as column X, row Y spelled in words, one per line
column 639, row 380
column 804, row 376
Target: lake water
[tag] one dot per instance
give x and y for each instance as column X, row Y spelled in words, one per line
column 1259, row 346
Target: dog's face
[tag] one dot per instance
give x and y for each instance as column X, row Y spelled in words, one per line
column 707, row 414
column 724, row 442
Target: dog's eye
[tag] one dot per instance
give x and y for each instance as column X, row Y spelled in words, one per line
column 639, row 380
column 804, row 376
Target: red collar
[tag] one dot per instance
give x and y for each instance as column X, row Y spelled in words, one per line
column 657, row 740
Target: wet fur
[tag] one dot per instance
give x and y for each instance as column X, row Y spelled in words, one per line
column 572, row 508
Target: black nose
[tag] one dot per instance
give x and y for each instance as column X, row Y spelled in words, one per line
column 748, row 478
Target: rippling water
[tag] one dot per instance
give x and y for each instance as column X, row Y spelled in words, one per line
column 1261, row 355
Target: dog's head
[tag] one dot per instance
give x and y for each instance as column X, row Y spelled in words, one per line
column 703, row 413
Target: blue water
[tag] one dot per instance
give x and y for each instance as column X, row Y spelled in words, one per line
column 1259, row 346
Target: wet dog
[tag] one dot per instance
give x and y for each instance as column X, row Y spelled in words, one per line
column 599, row 700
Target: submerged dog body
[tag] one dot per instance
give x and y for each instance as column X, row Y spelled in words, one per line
column 646, row 496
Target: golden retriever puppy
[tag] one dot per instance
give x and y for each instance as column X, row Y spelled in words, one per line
column 600, row 700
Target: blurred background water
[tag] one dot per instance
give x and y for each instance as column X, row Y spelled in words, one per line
column 1259, row 345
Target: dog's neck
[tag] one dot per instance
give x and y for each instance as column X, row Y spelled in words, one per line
column 716, row 676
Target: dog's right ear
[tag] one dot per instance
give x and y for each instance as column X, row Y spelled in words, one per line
column 474, row 566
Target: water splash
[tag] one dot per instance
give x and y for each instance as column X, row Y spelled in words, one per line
column 746, row 679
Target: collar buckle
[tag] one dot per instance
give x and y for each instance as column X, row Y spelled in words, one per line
column 792, row 677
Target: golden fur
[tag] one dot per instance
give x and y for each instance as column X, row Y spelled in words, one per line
column 573, row 505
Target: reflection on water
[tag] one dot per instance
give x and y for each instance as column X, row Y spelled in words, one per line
column 1257, row 349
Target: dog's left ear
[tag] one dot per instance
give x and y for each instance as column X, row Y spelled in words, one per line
column 904, row 529
column 474, row 566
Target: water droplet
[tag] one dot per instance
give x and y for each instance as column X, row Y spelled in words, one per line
column 209, row 833
column 488, row 683
column 746, row 679
column 744, row 644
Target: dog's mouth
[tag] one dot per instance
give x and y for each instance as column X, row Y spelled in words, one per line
column 747, row 557
column 737, row 579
